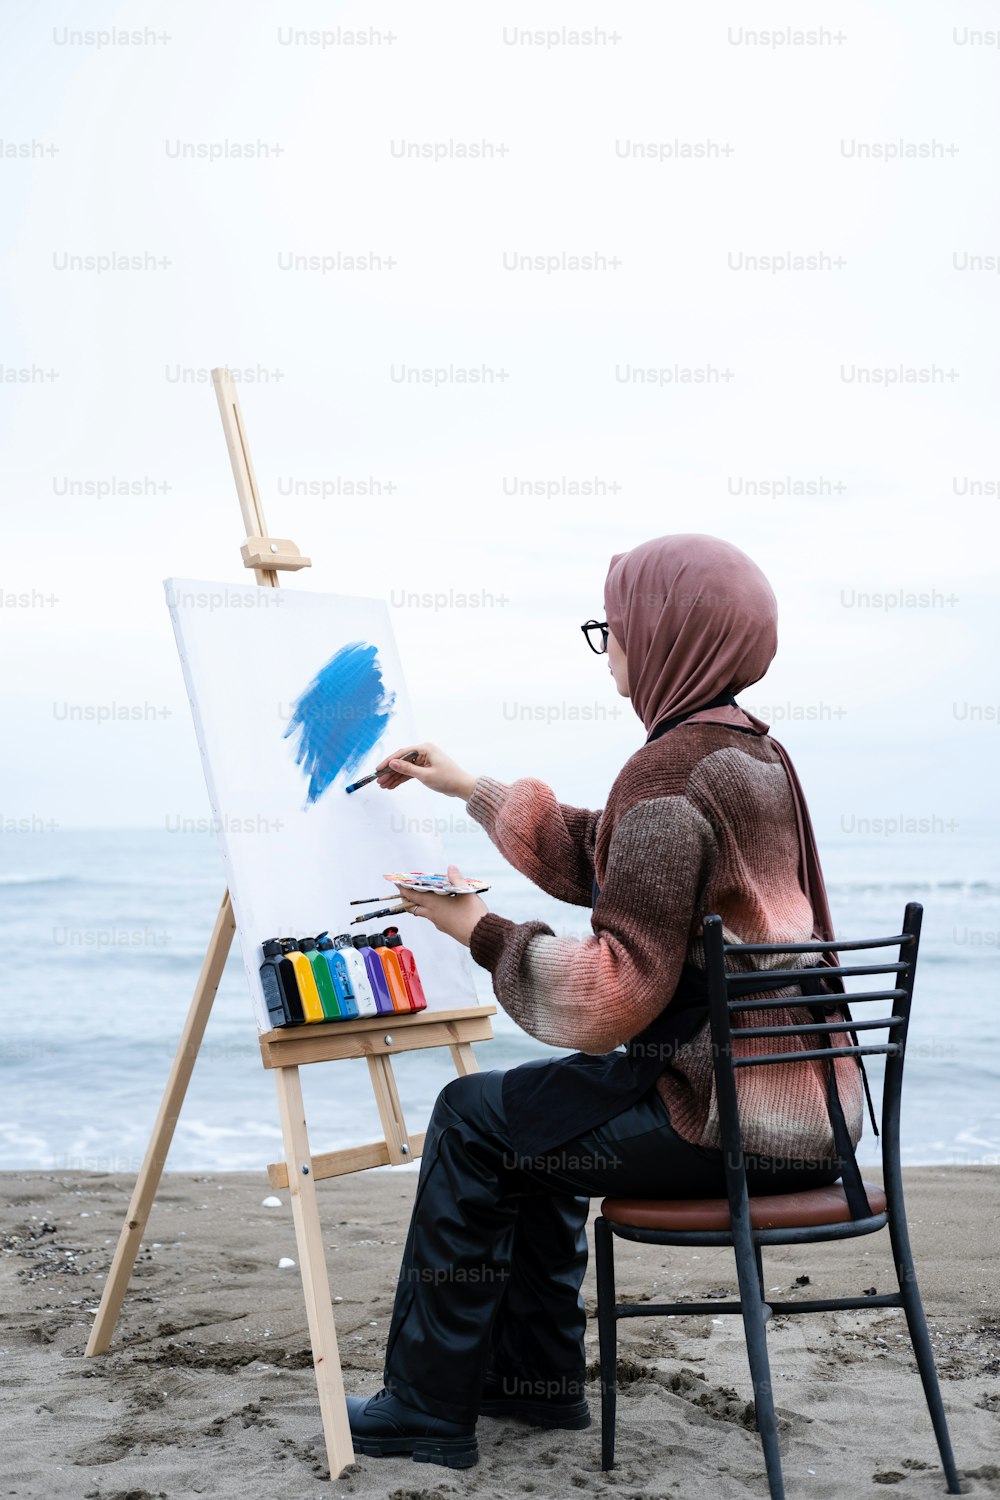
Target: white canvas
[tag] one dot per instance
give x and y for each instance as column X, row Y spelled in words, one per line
column 248, row 653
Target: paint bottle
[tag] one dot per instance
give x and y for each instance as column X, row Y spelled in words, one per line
column 344, row 980
column 312, row 1008
column 273, row 981
column 339, row 977
column 361, row 986
column 408, row 964
column 393, row 973
column 376, row 975
column 328, row 998
column 289, row 983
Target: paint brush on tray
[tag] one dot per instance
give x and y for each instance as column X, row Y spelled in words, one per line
column 416, row 880
column 412, row 755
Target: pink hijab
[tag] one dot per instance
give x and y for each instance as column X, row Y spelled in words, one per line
column 695, row 618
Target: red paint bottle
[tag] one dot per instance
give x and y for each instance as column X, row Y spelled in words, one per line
column 408, row 966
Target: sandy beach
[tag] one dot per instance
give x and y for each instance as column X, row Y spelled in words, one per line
column 209, row 1387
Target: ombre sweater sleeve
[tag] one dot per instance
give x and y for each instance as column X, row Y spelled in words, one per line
column 597, row 992
column 549, row 842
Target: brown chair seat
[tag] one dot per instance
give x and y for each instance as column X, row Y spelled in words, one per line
column 816, row 1206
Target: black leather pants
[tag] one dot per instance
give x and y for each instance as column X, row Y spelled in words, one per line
column 497, row 1246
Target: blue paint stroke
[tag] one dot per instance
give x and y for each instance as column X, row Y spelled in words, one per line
column 341, row 716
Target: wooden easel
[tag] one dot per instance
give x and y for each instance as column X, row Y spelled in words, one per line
column 375, row 1038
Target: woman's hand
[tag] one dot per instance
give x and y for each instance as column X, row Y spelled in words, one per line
column 435, row 769
column 454, row 915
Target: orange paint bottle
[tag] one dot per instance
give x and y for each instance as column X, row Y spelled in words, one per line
column 393, row 973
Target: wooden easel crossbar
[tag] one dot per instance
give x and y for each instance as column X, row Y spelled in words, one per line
column 374, row 1038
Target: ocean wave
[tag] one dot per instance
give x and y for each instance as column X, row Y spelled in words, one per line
column 910, row 887
column 128, row 955
column 19, row 879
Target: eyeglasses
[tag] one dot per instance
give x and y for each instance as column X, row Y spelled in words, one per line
column 596, row 633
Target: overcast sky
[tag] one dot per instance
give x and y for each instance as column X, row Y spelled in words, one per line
column 670, row 153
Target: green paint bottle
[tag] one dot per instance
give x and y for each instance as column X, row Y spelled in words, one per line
column 324, row 982
column 333, row 1008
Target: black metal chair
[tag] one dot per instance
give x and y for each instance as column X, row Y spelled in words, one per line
column 844, row 1210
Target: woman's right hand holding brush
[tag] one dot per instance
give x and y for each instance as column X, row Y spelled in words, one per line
column 433, row 767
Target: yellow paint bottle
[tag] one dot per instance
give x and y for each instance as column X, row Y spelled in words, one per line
column 312, row 1005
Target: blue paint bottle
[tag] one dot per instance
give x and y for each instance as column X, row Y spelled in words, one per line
column 340, row 976
column 376, row 976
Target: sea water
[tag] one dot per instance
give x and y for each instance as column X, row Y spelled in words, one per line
column 105, row 931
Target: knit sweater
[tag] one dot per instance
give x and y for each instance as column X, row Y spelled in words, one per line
column 700, row 820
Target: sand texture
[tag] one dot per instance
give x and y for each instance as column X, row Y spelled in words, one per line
column 209, row 1387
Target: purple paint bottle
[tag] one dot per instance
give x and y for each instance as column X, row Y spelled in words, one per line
column 376, row 975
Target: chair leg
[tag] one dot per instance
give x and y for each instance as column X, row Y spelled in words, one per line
column 755, row 1326
column 917, row 1324
column 607, row 1329
column 760, row 1270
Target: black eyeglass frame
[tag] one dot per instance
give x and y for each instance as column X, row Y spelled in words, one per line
column 602, row 626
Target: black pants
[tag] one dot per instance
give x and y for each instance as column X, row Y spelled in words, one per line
column 496, row 1250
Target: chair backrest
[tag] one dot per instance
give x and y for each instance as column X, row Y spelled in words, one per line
column 734, row 975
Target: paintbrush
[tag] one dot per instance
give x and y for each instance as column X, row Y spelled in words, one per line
column 383, row 911
column 411, row 755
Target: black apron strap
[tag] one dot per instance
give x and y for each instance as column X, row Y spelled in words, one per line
column 864, row 1076
column 836, row 984
column 847, row 1162
column 850, row 1172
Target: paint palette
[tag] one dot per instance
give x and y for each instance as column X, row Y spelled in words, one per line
column 420, row 880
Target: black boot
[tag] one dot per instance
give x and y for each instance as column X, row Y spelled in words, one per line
column 383, row 1427
column 541, row 1403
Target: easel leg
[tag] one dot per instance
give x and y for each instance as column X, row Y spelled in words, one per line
column 156, row 1152
column 390, row 1110
column 315, row 1283
column 464, row 1058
